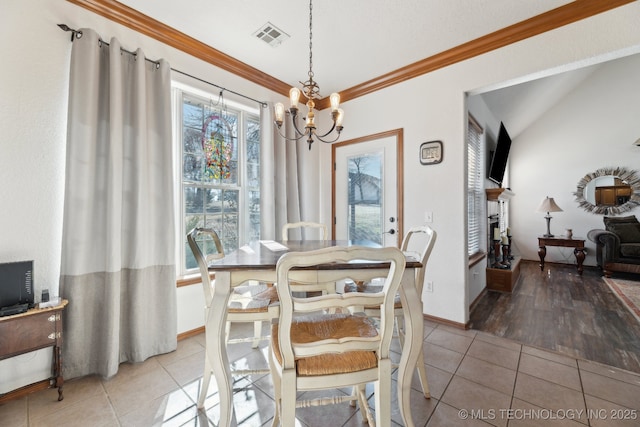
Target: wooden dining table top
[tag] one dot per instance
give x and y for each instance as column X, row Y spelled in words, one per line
column 260, row 255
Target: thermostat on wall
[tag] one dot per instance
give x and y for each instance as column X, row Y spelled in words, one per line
column 431, row 152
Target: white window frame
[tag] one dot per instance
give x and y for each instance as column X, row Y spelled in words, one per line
column 179, row 90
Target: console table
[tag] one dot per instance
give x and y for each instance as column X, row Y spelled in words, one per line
column 34, row 330
column 577, row 244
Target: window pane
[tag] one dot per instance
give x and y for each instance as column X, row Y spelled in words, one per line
column 192, row 141
column 214, row 201
column 253, row 152
column 190, row 222
column 192, row 114
column 193, row 200
column 254, row 215
column 192, row 167
column 365, row 209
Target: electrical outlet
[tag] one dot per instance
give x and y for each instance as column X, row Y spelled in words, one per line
column 429, row 286
column 428, row 216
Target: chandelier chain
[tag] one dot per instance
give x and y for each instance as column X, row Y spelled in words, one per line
column 310, row 39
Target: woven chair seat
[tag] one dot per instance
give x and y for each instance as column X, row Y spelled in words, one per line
column 316, row 328
column 368, row 287
column 252, row 298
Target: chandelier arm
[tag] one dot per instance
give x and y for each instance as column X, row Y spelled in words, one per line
column 295, row 125
column 327, row 134
column 320, row 138
column 286, row 138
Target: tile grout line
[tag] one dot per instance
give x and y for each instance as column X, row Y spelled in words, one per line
column 515, row 382
column 453, row 375
column 584, row 395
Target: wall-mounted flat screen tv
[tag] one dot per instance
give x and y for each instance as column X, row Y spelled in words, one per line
column 500, row 156
column 16, row 283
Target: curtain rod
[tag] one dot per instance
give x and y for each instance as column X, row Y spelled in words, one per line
column 77, row 34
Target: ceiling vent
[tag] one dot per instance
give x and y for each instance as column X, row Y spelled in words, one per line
column 271, row 34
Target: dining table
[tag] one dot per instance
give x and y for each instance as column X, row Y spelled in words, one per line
column 257, row 261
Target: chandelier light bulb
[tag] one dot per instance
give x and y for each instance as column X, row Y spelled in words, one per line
column 335, row 101
column 294, row 97
column 279, row 112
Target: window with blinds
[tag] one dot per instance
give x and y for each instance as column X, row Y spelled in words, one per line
column 475, row 190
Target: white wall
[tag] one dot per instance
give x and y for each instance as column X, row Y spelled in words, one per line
column 33, row 105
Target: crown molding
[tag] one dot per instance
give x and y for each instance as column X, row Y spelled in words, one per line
column 131, row 18
column 561, row 16
column 555, row 18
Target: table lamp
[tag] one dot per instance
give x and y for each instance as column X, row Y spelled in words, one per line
column 548, row 205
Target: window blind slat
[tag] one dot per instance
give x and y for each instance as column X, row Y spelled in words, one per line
column 475, row 196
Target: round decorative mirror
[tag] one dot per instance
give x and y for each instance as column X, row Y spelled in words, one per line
column 609, row 191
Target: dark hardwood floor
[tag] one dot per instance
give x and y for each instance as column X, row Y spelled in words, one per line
column 558, row 309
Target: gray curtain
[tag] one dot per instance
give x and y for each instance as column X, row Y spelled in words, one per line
column 280, row 199
column 118, row 263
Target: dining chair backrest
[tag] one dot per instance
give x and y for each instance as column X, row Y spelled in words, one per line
column 307, row 230
column 206, row 247
column 290, row 304
column 420, row 240
column 317, row 344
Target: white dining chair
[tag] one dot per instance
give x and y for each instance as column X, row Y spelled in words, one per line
column 419, row 242
column 310, row 231
column 251, row 303
column 313, row 349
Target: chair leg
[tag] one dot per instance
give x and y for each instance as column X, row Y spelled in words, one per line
column 360, row 392
column 257, row 333
column 275, row 377
column 383, row 394
column 206, row 379
column 354, row 393
column 288, row 398
column 422, row 374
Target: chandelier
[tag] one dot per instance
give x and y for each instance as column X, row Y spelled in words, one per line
column 311, row 91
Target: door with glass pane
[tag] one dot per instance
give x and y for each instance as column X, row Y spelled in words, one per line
column 367, row 189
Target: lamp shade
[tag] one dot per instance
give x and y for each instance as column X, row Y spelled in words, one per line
column 548, row 205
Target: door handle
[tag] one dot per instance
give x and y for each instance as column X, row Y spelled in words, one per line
column 391, row 231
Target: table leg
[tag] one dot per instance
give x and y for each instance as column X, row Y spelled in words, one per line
column 217, row 346
column 542, row 252
column 579, row 253
column 59, row 379
column 412, row 307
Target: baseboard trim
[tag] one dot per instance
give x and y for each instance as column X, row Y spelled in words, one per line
column 445, row 321
column 28, row 389
column 191, row 333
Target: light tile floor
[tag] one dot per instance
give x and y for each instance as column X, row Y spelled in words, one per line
column 476, row 379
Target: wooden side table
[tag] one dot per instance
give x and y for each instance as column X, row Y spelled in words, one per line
column 34, row 330
column 577, row 244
